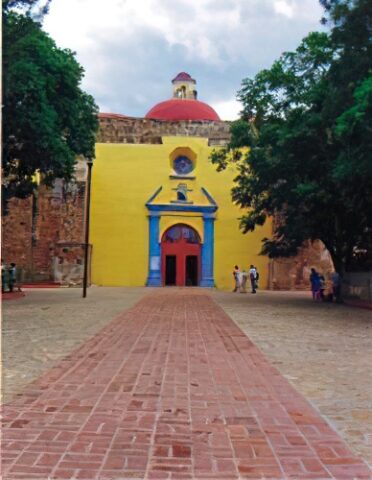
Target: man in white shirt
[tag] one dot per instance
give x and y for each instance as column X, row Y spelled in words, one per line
column 252, row 276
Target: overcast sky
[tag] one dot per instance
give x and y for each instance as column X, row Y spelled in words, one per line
column 131, row 49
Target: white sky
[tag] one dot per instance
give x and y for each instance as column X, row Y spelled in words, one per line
column 131, row 49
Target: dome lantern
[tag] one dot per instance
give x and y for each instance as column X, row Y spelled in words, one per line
column 184, row 86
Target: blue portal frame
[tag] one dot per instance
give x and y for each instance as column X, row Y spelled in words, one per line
column 156, row 210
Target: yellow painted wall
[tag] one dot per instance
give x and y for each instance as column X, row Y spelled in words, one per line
column 124, row 178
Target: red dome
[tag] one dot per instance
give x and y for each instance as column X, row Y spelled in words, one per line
column 183, row 109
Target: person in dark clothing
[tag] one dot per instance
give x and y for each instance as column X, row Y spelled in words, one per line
column 12, row 276
column 322, row 287
column 257, row 277
column 336, row 286
column 316, row 284
column 3, row 277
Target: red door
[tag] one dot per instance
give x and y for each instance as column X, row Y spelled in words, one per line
column 180, row 248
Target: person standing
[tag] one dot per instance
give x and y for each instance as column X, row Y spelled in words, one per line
column 257, row 277
column 322, row 288
column 12, row 276
column 252, row 276
column 315, row 284
column 3, row 276
column 243, row 282
column 336, row 285
column 236, row 275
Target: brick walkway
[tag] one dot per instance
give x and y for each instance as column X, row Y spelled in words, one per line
column 172, row 388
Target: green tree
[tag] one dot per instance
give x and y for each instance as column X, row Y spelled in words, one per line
column 48, row 119
column 308, row 125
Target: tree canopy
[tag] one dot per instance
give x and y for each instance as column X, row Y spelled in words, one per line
column 308, row 123
column 48, row 119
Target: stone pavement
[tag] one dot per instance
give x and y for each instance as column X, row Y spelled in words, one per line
column 47, row 324
column 171, row 388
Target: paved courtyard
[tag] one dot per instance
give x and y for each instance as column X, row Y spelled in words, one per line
column 47, row 324
column 172, row 388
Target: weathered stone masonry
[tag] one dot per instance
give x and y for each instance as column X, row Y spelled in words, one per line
column 42, row 231
column 121, row 129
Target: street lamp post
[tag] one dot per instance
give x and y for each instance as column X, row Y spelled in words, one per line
column 87, row 215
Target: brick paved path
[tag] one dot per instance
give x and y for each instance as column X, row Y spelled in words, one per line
column 172, row 388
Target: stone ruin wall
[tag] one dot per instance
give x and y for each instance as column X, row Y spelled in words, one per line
column 294, row 273
column 43, row 234
column 143, row 130
column 17, row 233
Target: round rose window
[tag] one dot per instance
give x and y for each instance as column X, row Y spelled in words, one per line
column 183, row 165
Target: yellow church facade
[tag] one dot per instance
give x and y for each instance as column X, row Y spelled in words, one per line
column 161, row 215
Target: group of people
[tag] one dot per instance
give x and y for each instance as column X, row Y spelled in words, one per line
column 319, row 288
column 241, row 278
column 8, row 277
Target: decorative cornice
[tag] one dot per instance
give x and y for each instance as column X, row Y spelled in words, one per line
column 171, row 207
